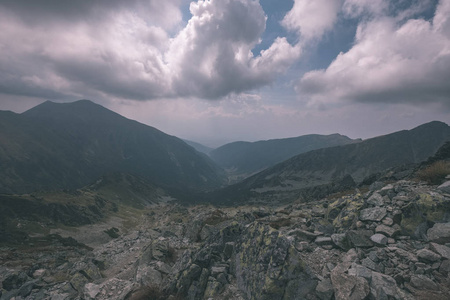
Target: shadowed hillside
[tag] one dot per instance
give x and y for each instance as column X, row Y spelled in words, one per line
column 55, row 146
column 242, row 159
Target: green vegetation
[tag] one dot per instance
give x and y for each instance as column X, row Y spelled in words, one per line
column 434, row 173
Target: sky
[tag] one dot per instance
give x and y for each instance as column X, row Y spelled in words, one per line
column 217, row 71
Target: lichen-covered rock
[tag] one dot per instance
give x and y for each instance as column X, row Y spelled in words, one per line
column 343, row 213
column 372, row 214
column 269, row 267
column 427, row 208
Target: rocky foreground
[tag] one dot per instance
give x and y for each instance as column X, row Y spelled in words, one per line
column 391, row 242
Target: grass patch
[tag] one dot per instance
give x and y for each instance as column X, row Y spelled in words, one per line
column 282, row 222
column 112, row 232
column 215, row 218
column 434, row 173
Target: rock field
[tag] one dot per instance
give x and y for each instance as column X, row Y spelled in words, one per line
column 389, row 242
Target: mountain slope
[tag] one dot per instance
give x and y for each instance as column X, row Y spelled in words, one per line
column 199, row 147
column 245, row 158
column 333, row 166
column 54, row 146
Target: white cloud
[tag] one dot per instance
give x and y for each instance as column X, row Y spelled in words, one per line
column 407, row 63
column 311, row 19
column 61, row 53
column 212, row 57
column 356, row 8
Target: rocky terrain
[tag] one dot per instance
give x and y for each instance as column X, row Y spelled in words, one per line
column 391, row 241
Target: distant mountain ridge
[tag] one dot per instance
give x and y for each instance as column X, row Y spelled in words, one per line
column 350, row 163
column 241, row 159
column 70, row 145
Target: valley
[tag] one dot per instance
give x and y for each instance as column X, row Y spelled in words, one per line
column 97, row 206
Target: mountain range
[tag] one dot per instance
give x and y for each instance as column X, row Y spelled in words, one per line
column 70, row 145
column 329, row 169
column 242, row 159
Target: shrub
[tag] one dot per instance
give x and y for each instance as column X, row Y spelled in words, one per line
column 171, row 256
column 434, row 173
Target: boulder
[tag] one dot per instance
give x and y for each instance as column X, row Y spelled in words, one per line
column 372, row 214
column 428, row 256
column 375, row 200
column 324, row 289
column 388, row 230
column 421, row 282
column 379, row 239
column 383, row 287
column 91, row 290
column 341, row 241
column 323, row 240
column 439, row 233
column 348, row 287
column 445, row 187
column 442, row 250
column 360, row 238
column 15, row 281
column 268, row 266
column 360, row 271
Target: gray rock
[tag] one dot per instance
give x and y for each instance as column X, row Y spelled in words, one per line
column 377, row 185
column 26, row 288
column 444, row 268
column 428, row 256
column 439, row 233
column 376, row 200
column 360, row 271
column 421, row 282
column 91, row 290
column 445, row 187
column 387, row 221
column 347, row 287
column 386, row 190
column 268, row 265
column 360, row 238
column 323, row 240
column 147, row 275
column 379, row 239
column 372, row 214
column 387, row 230
column 341, row 241
column 324, row 289
column 442, row 250
column 383, row 287
column 370, row 264
column 15, row 281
